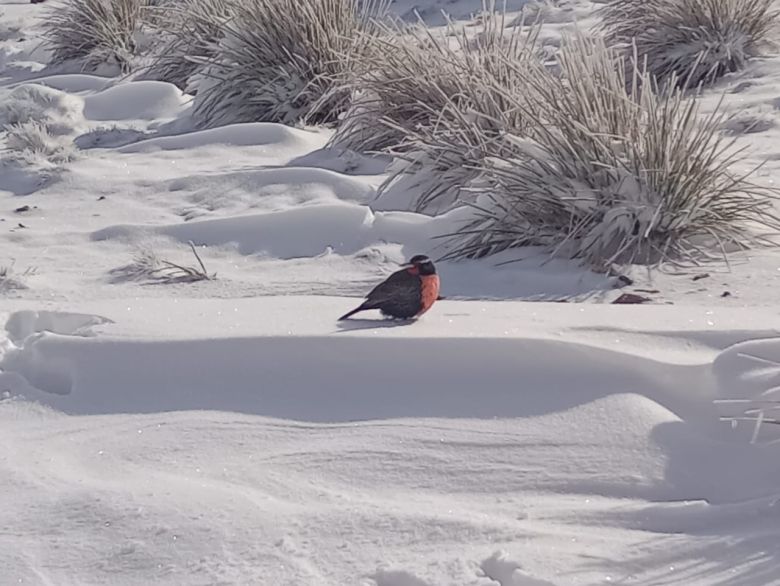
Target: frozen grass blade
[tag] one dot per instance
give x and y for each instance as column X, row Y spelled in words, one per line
column 281, row 61
column 696, row 41
column 189, row 33
column 621, row 173
column 93, row 33
column 423, row 97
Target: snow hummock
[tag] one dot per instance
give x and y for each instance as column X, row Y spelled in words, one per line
column 146, row 100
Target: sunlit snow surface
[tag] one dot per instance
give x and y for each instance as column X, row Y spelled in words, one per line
column 230, row 431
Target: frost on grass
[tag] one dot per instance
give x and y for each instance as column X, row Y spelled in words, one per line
column 189, row 32
column 620, row 173
column 58, row 111
column 696, row 41
column 283, row 61
column 147, row 266
column 31, row 142
column 422, row 97
column 93, row 33
column 39, row 123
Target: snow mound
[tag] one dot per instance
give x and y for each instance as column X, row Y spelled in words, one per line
column 23, row 324
column 75, row 83
column 341, row 228
column 137, row 100
column 278, row 188
column 251, row 134
column 19, row 180
column 662, row 443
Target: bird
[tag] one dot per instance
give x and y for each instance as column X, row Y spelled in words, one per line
column 405, row 294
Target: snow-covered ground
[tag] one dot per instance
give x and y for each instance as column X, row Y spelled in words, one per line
column 230, row 431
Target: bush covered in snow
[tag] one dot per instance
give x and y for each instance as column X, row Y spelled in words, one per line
column 93, row 33
column 423, row 97
column 189, row 32
column 281, row 61
column 698, row 41
column 614, row 171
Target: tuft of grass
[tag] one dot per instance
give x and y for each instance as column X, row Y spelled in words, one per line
column 614, row 170
column 94, row 33
column 281, row 61
column 694, row 41
column 423, row 97
column 32, row 141
column 411, row 72
column 147, row 266
column 190, row 31
column 11, row 280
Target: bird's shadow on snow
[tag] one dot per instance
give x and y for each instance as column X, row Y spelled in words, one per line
column 349, row 325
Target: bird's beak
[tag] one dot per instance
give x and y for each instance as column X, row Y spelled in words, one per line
column 406, row 265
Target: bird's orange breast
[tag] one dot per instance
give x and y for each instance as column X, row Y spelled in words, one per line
column 429, row 292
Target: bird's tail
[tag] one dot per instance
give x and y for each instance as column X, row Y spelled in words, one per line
column 362, row 307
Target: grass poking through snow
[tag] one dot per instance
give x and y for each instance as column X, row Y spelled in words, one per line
column 616, row 171
column 696, row 41
column 147, row 266
column 32, row 142
column 189, row 34
column 93, row 33
column 283, row 61
column 424, row 97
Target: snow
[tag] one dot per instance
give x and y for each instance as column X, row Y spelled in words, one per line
column 254, row 134
column 146, row 100
column 231, row 431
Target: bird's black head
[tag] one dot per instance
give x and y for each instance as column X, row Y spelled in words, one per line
column 423, row 264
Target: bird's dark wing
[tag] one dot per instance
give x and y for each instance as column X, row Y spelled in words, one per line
column 400, row 286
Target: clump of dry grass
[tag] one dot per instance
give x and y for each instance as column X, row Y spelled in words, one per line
column 694, row 41
column 32, row 141
column 148, row 266
column 410, row 73
column 283, row 61
column 424, row 97
column 189, row 31
column 11, row 280
column 615, row 171
column 94, row 33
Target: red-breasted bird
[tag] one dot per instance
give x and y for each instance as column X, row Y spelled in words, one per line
column 405, row 294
